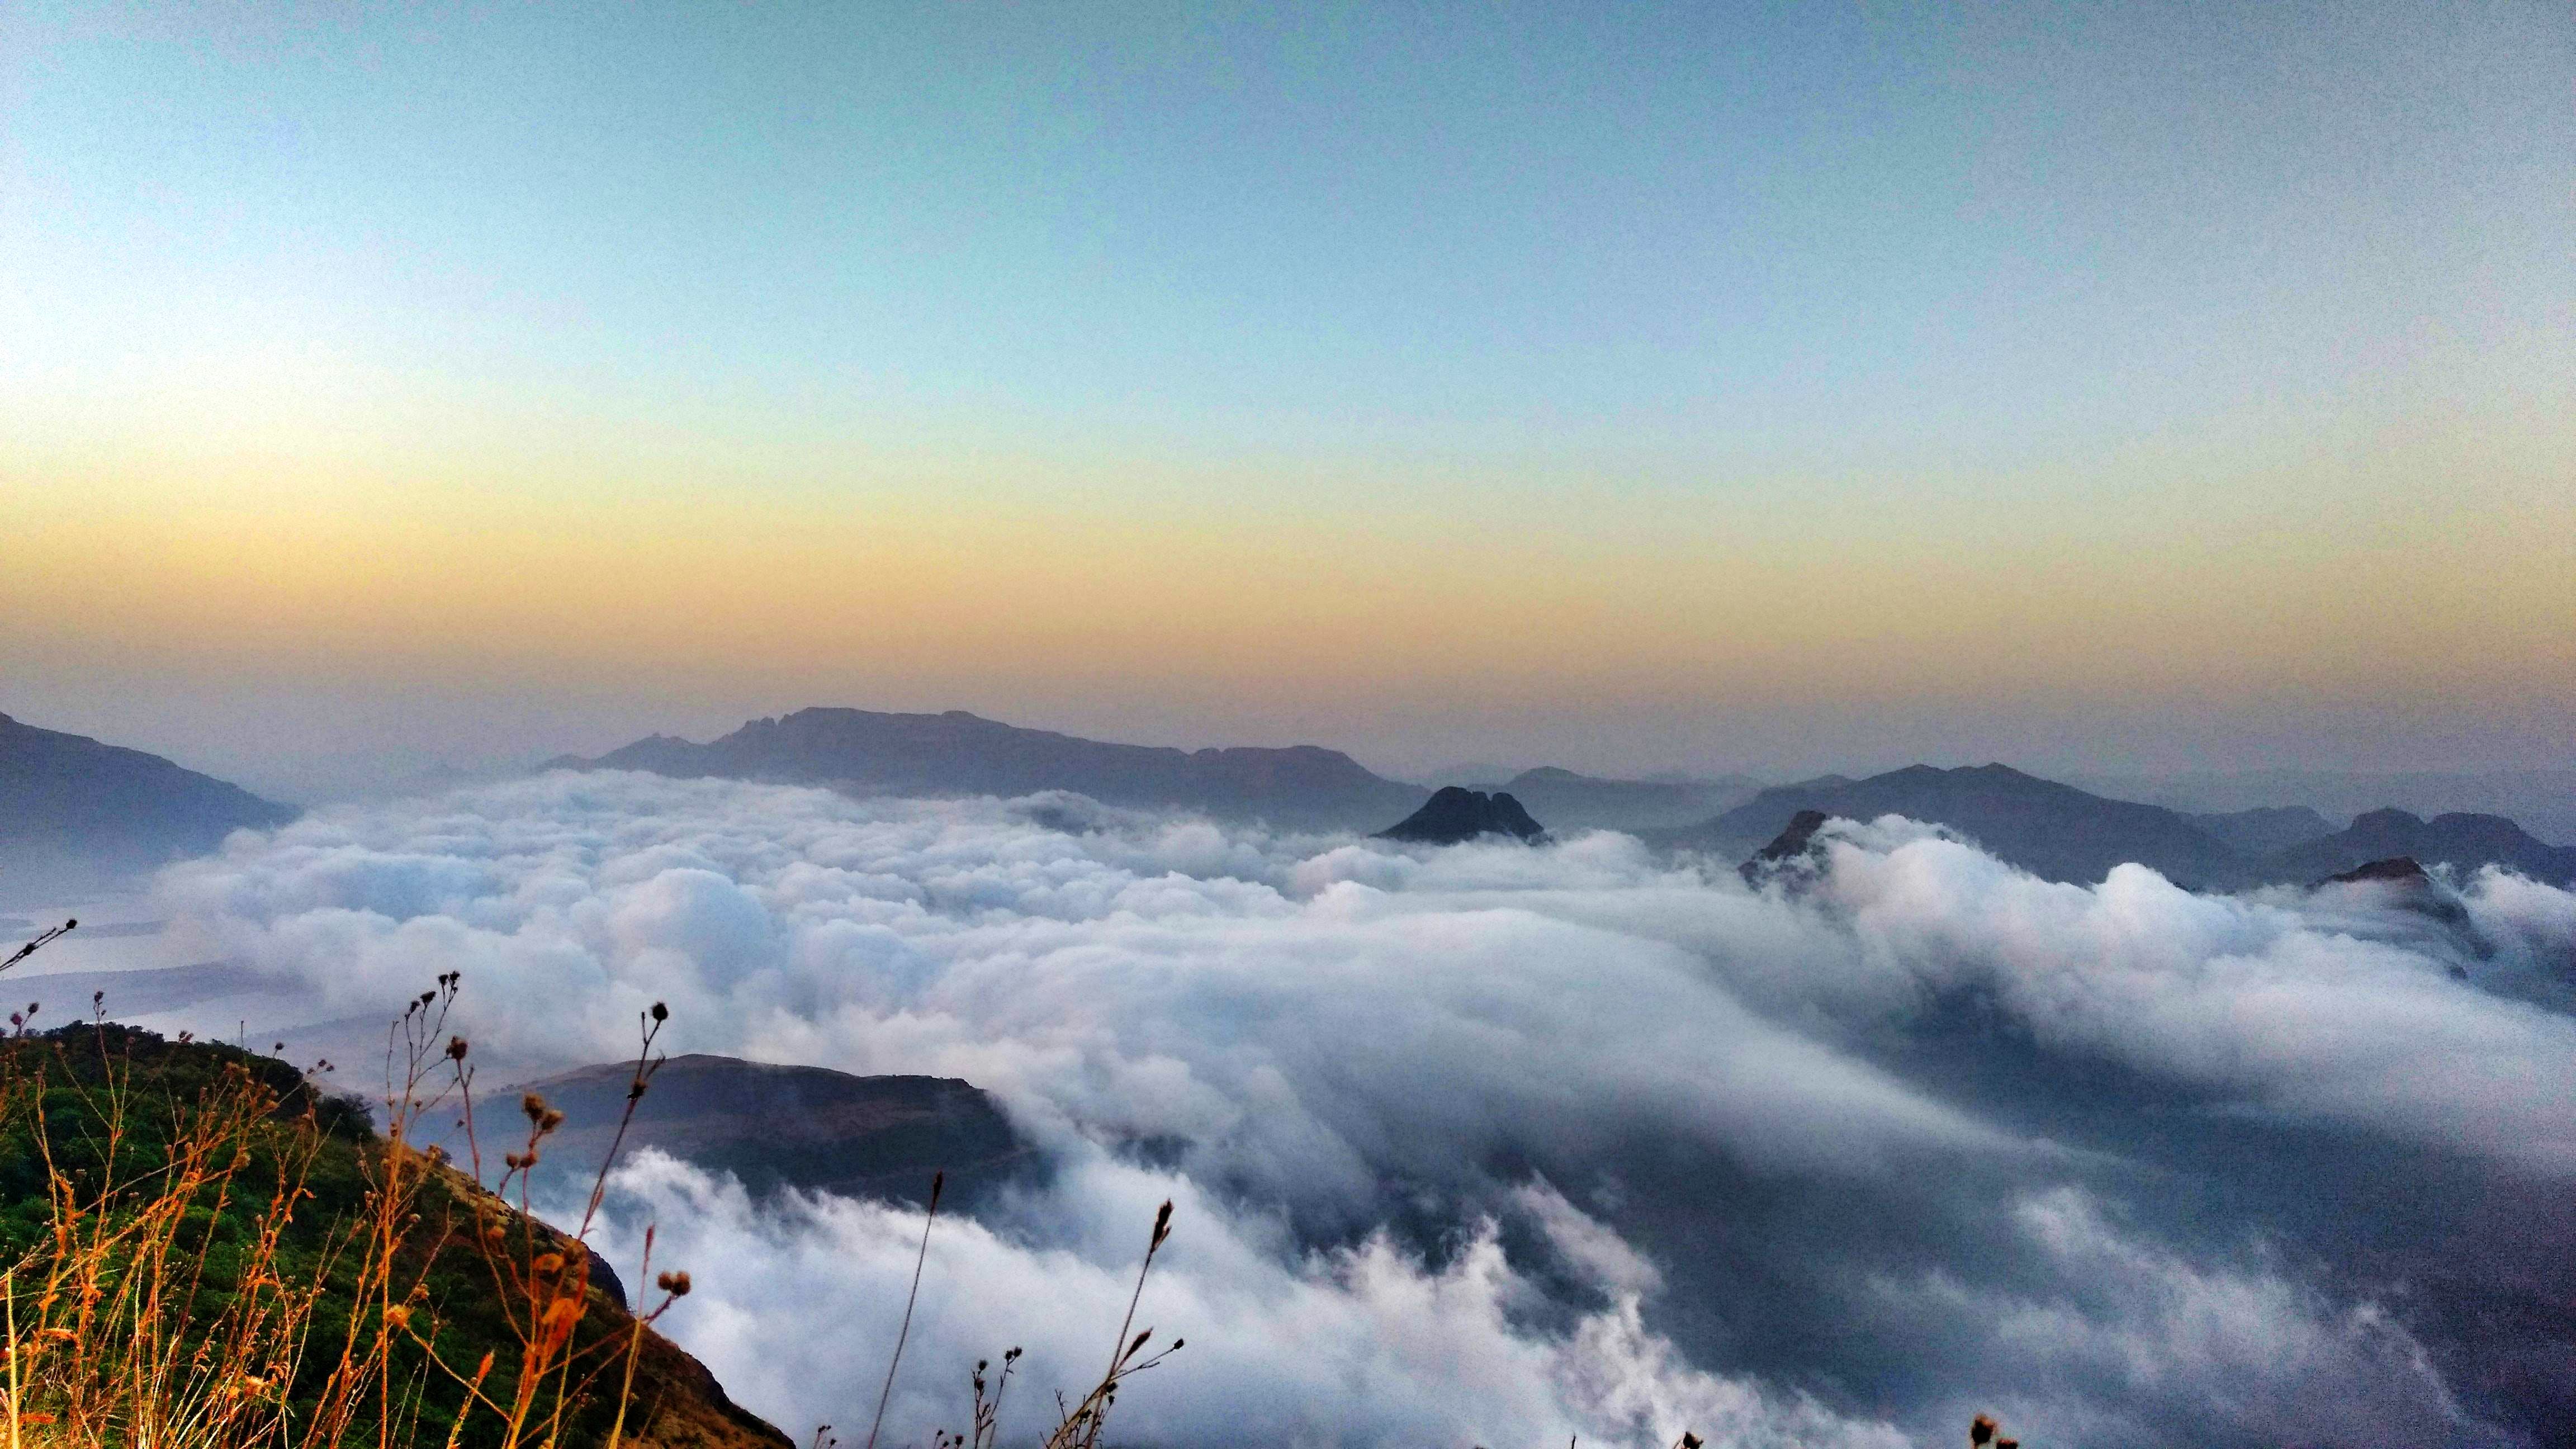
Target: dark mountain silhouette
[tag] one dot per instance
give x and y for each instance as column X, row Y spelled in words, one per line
column 961, row 754
column 1791, row 844
column 2402, row 881
column 791, row 1127
column 75, row 813
column 2054, row 831
column 2061, row 833
column 2266, row 830
column 1573, row 801
column 1455, row 814
column 2463, row 841
column 2403, row 868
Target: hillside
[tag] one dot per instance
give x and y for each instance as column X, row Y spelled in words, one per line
column 78, row 812
column 227, row 1191
column 793, row 1127
column 957, row 753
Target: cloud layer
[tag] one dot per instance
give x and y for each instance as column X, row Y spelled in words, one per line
column 1499, row 1143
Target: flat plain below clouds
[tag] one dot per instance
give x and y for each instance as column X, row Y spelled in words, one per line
column 1499, row 1143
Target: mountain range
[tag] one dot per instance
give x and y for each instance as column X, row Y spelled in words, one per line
column 957, row 753
column 2062, row 833
column 75, row 813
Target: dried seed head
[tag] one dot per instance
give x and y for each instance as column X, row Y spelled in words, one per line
column 1982, row 1431
column 661, row 1012
column 397, row 1316
column 456, row 1048
column 675, row 1283
column 534, row 1106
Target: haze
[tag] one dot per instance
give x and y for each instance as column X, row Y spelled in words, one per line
column 2127, row 389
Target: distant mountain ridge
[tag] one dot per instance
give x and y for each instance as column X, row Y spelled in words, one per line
column 2459, row 839
column 957, row 753
column 2059, row 832
column 2051, row 830
column 75, row 812
column 1568, row 800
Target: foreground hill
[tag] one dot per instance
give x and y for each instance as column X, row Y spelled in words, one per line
column 957, row 753
column 253, row 1213
column 792, row 1127
column 78, row 812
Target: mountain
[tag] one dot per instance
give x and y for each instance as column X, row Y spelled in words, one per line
column 2051, row 830
column 790, row 1127
column 2267, row 829
column 2461, row 840
column 1586, row 802
column 1455, row 814
column 75, row 813
column 2542, row 801
column 1793, row 843
column 957, row 753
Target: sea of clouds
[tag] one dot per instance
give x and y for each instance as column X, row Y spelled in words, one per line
column 1503, row 1145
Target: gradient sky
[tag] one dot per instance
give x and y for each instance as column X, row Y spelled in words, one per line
column 2113, row 387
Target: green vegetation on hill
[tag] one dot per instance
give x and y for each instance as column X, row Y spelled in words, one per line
column 202, row 1248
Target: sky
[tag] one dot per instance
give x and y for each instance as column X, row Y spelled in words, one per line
column 2112, row 388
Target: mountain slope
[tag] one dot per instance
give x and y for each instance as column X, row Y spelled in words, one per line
column 2051, row 830
column 2267, row 829
column 792, row 1127
column 957, row 753
column 2462, row 840
column 74, row 811
column 1574, row 801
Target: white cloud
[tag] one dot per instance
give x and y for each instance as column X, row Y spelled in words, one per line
column 1333, row 1044
column 1365, row 1345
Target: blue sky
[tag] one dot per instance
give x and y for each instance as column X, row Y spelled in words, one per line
column 2193, row 301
